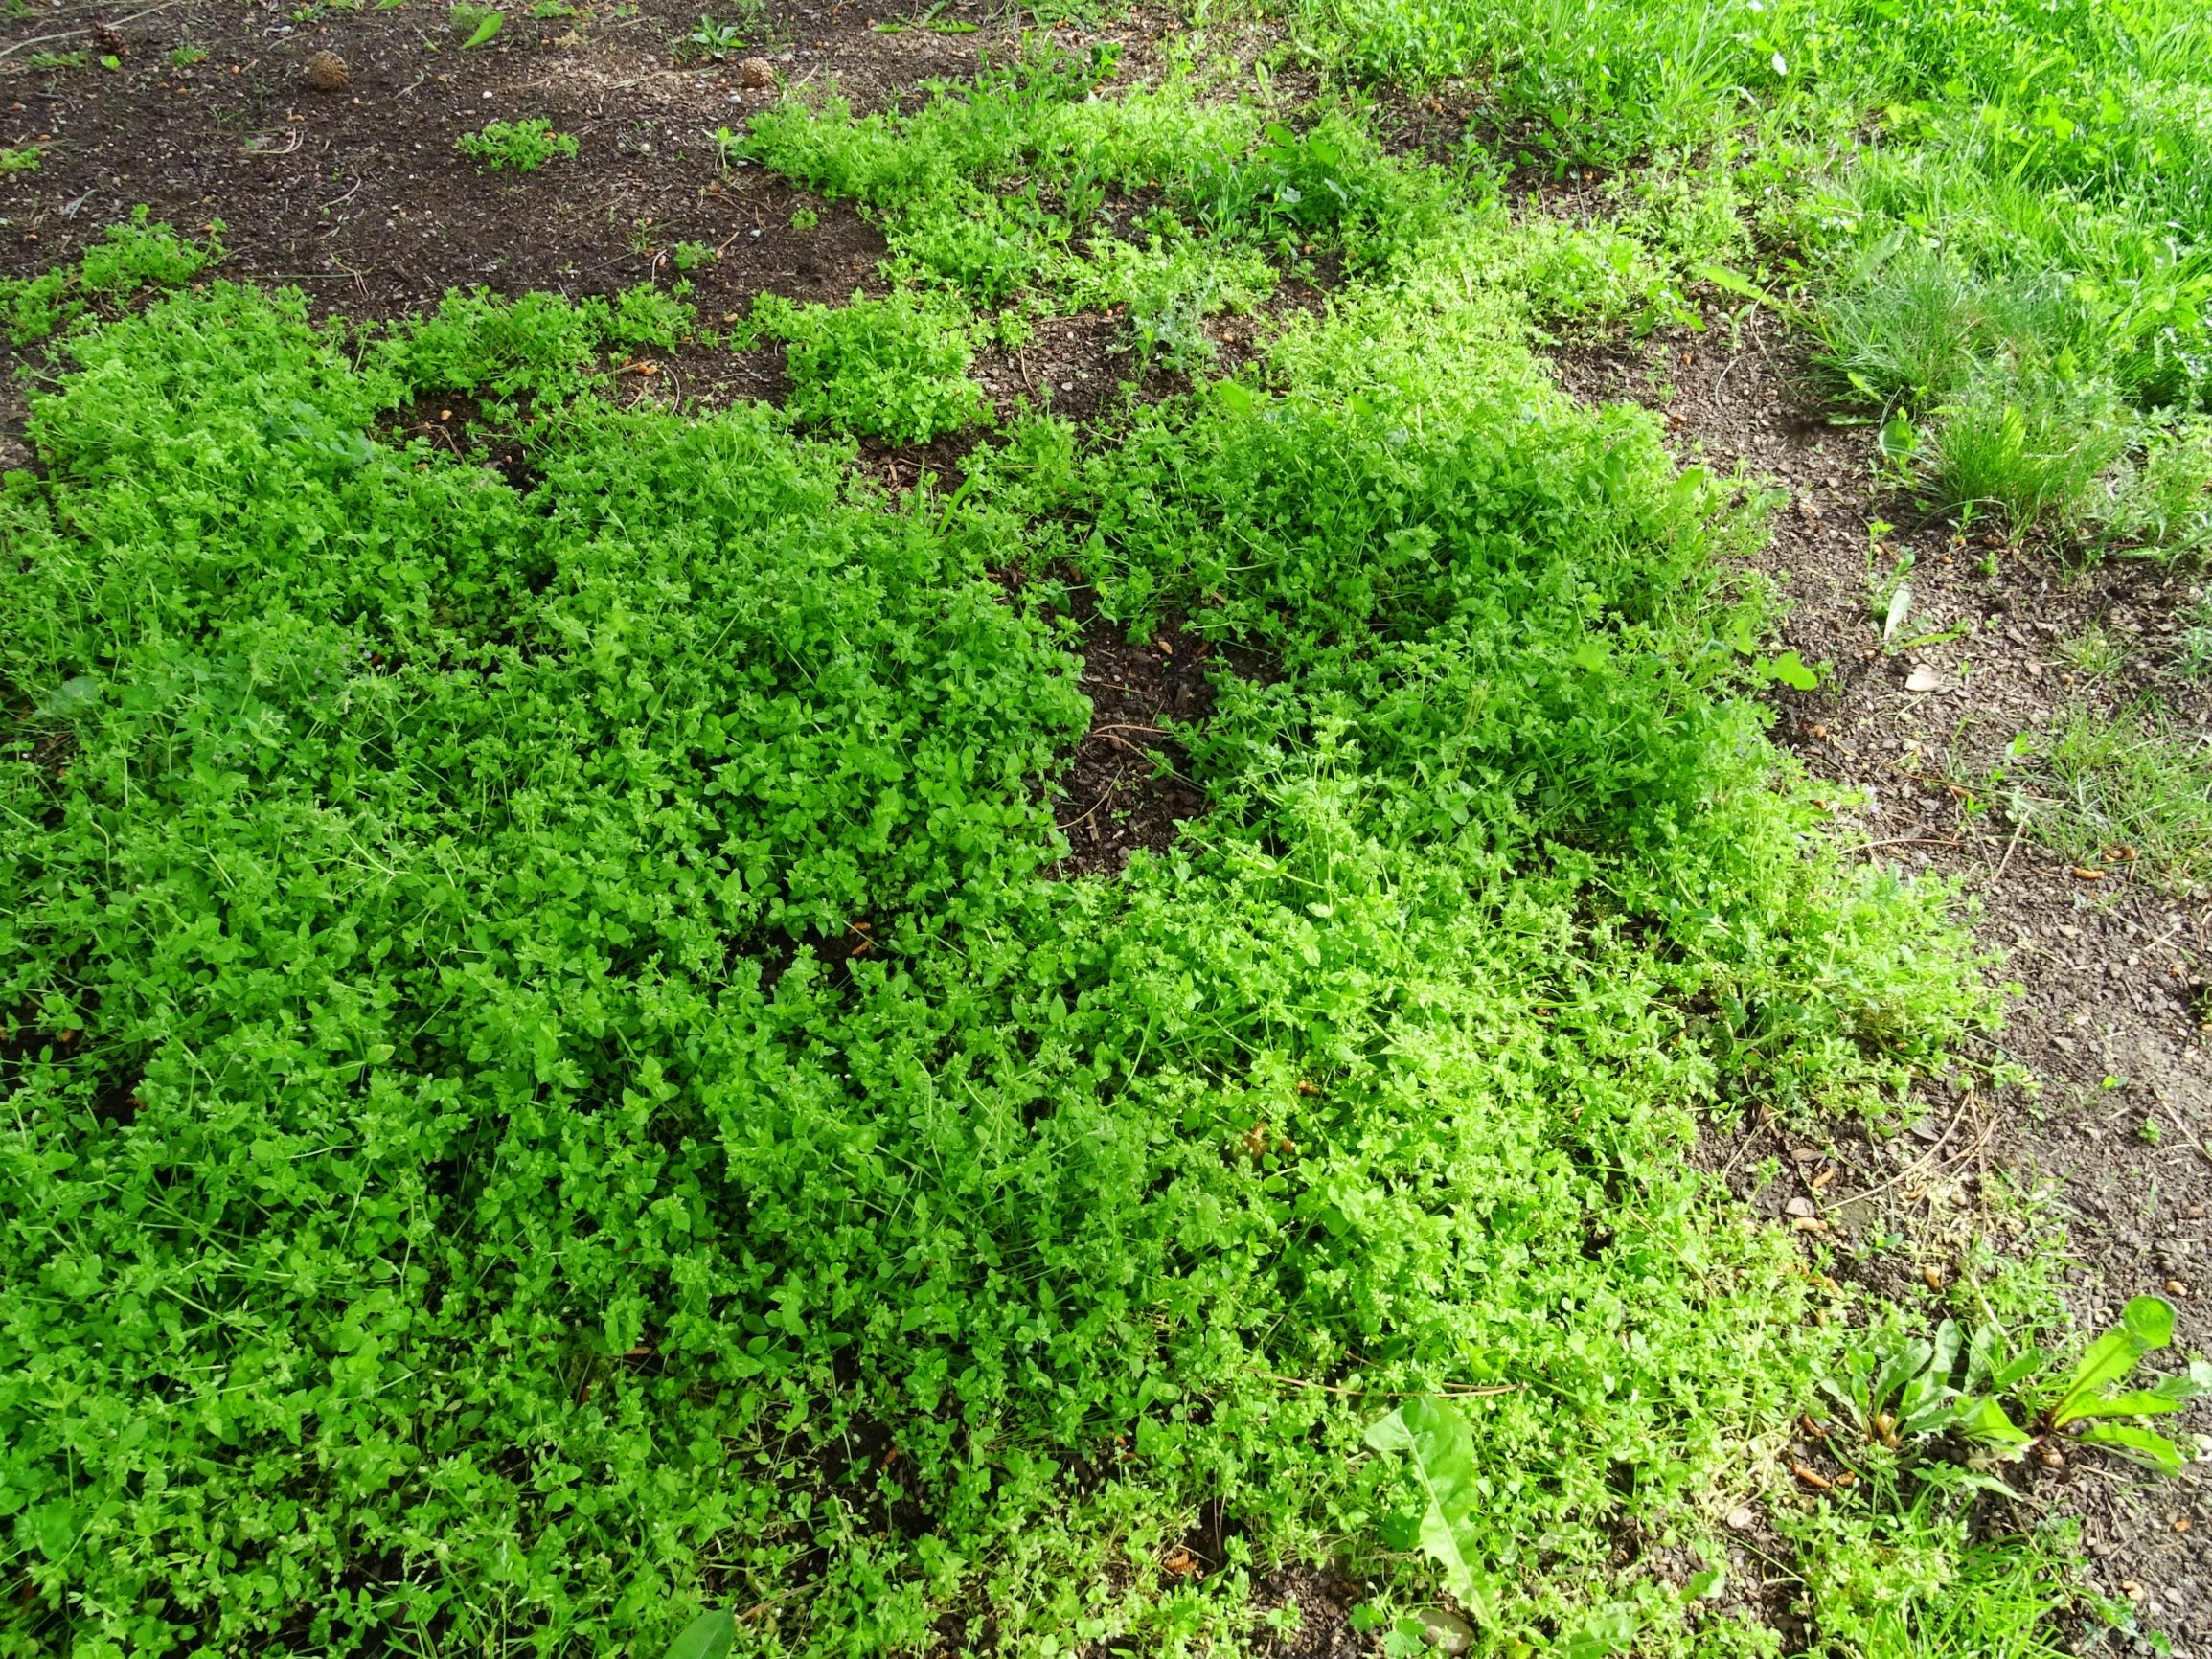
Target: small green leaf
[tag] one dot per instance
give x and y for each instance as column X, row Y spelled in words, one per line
column 709, row 1636
column 486, row 28
column 54, row 1529
column 2149, row 1321
column 1984, row 1423
column 2110, row 1357
column 1899, row 607
column 2139, row 1445
column 1728, row 280
column 1789, row 669
column 2189, row 1384
column 2146, row 1324
column 2135, row 1402
column 70, row 698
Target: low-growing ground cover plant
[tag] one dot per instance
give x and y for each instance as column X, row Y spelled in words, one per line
column 555, row 1096
column 895, row 368
column 522, row 146
column 2000, row 209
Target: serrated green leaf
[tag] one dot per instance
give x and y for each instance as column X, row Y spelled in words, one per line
column 2135, row 1402
column 2139, row 1445
column 2110, row 1357
column 1442, row 1453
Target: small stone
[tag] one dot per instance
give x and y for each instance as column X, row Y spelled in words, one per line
column 1805, row 1154
column 1923, row 679
column 1801, row 1207
column 326, row 72
column 1741, row 1517
column 757, row 73
column 1926, row 1129
column 1445, row 1632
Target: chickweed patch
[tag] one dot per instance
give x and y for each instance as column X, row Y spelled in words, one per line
column 552, row 1090
column 2003, row 209
column 519, row 146
column 895, row 368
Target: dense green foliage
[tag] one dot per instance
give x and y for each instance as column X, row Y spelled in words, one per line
column 522, row 146
column 895, row 368
column 550, row 1080
column 2004, row 207
column 463, row 1185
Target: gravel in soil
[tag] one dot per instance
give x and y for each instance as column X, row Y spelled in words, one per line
column 2109, row 971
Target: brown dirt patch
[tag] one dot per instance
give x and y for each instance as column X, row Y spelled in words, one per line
column 1128, row 785
column 359, row 196
column 2107, row 969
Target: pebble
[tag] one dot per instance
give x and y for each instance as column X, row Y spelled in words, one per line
column 1741, row 1517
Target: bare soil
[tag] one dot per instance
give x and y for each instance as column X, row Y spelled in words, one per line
column 2111, row 970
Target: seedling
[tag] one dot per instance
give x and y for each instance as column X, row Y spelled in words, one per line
column 475, row 25
column 522, row 146
column 1956, row 1384
column 710, row 42
column 2093, row 651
